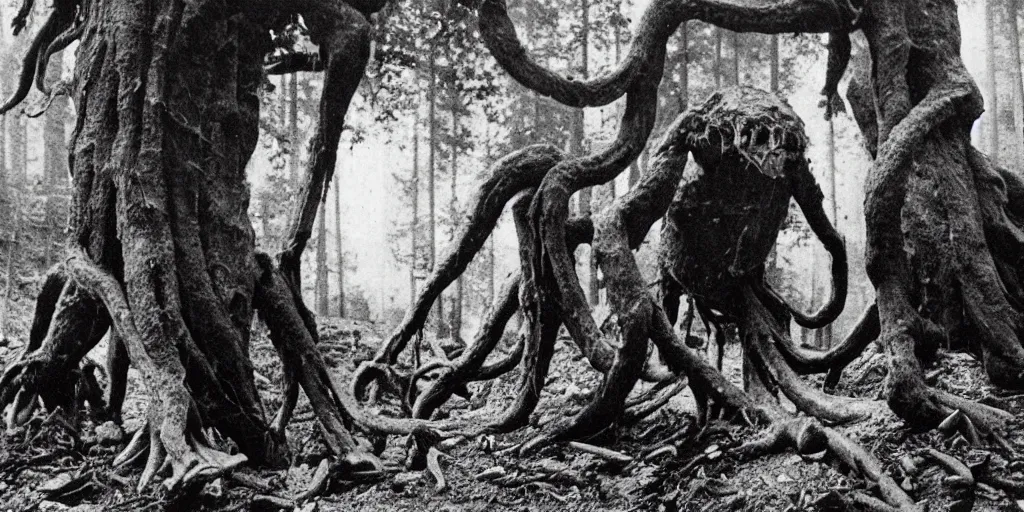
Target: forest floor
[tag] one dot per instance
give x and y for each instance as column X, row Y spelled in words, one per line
column 38, row 461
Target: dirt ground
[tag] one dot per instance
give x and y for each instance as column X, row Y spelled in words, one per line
column 47, row 466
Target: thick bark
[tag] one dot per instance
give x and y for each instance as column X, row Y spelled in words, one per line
column 160, row 233
column 924, row 194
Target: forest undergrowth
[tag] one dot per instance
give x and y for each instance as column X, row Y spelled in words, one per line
column 661, row 462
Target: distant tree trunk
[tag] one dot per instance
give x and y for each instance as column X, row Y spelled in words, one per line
column 293, row 130
column 490, row 270
column 718, row 58
column 339, row 246
column 16, row 131
column 489, row 158
column 772, row 272
column 1018, row 80
column 456, row 313
column 440, row 321
column 414, row 224
column 268, row 239
column 737, row 50
column 823, row 336
column 5, row 190
column 992, row 108
column 11, row 264
column 55, row 160
column 774, row 63
column 617, row 34
column 684, row 78
column 576, row 138
column 321, row 284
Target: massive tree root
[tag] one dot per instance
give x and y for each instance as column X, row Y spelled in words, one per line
column 161, row 250
column 957, row 216
column 770, row 158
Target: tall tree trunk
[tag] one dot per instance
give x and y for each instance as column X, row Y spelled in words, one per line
column 339, row 246
column 10, row 264
column 992, row 126
column 55, row 158
column 456, row 312
column 6, row 196
column 321, row 284
column 491, row 268
column 294, row 148
column 737, row 50
column 440, row 322
column 16, row 131
column 1018, row 79
column 414, row 224
column 717, row 67
column 489, row 158
column 576, row 138
column 162, row 248
column 823, row 336
column 268, row 238
column 773, row 58
column 617, row 34
column 684, row 78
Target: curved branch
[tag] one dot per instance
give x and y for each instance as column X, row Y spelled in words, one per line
column 469, row 363
column 808, row 195
column 759, row 329
column 345, row 40
column 46, row 305
column 158, row 362
column 553, row 261
column 18, row 23
column 838, row 58
column 659, row 22
column 71, row 34
column 509, row 176
column 503, row 365
column 54, row 24
column 807, row 361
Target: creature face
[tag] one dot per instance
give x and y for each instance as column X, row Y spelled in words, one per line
column 757, row 128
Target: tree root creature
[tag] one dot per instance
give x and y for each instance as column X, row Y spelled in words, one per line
column 721, row 218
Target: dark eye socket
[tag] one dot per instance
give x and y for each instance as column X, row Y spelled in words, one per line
column 761, row 137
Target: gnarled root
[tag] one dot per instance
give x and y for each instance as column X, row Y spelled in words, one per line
column 806, row 436
column 201, row 462
column 468, row 364
column 760, row 330
column 50, row 369
column 924, row 406
column 277, row 308
column 163, row 374
column 519, row 171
